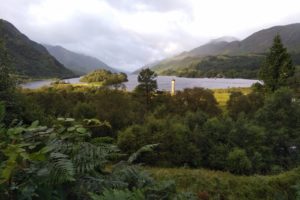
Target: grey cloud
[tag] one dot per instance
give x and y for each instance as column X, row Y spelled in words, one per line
column 151, row 5
column 102, row 37
column 106, row 40
column 112, row 44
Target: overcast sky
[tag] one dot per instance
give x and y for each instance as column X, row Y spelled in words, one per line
column 127, row 34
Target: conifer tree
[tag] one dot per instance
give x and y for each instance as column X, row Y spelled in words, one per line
column 278, row 66
column 147, row 84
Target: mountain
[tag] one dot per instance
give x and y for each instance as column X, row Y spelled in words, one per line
column 29, row 58
column 78, row 63
column 149, row 65
column 260, row 41
column 253, row 46
column 224, row 39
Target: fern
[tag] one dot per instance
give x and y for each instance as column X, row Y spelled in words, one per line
column 41, row 162
column 132, row 175
column 61, row 168
column 144, row 149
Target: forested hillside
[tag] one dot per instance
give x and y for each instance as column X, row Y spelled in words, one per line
column 29, row 58
column 224, row 58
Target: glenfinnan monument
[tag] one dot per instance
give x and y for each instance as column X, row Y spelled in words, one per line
column 173, row 87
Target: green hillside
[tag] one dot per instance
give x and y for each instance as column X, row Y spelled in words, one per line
column 231, row 59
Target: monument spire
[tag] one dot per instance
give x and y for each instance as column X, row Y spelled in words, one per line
column 173, row 87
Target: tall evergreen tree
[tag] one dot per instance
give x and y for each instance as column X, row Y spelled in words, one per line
column 278, row 66
column 147, row 84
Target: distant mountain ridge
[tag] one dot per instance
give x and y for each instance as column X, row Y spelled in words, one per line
column 78, row 63
column 30, row 58
column 257, row 43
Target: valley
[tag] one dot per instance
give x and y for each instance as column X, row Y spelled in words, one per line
column 220, row 121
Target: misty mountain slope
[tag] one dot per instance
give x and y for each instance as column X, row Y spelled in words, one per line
column 215, row 48
column 256, row 44
column 261, row 41
column 29, row 58
column 78, row 63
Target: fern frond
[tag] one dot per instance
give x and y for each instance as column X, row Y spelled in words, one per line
column 132, row 175
column 144, row 149
column 61, row 168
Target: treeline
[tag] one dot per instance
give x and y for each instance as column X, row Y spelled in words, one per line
column 253, row 137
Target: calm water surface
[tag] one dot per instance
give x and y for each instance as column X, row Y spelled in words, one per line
column 164, row 82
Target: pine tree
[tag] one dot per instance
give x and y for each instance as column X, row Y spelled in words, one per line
column 148, row 84
column 278, row 66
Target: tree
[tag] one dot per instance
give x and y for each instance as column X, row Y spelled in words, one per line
column 238, row 161
column 280, row 118
column 238, row 103
column 8, row 95
column 248, row 104
column 192, row 99
column 147, row 84
column 278, row 66
column 105, row 77
column 6, row 82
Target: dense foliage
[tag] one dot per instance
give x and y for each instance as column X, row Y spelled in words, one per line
column 7, row 84
column 209, row 184
column 8, row 95
column 240, row 144
column 65, row 162
column 190, row 127
column 105, row 77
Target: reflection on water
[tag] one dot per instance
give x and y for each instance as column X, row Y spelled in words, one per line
column 164, row 82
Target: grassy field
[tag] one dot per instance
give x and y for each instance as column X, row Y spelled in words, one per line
column 223, row 185
column 222, row 95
